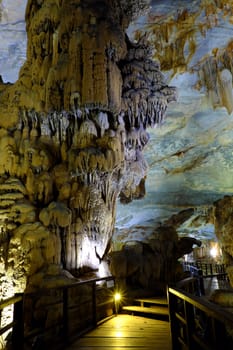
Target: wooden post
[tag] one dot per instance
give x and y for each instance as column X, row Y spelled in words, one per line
column 65, row 314
column 201, row 283
column 174, row 327
column 94, row 304
column 18, row 324
column 218, row 336
column 189, row 317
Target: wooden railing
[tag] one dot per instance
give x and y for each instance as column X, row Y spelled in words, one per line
column 197, row 324
column 17, row 323
column 198, row 284
column 80, row 307
column 208, row 269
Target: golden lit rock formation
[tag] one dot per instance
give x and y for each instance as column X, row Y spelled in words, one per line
column 73, row 128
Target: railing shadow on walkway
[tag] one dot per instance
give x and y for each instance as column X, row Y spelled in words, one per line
column 80, row 306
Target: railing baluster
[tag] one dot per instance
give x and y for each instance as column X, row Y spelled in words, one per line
column 174, row 327
column 201, row 283
column 65, row 314
column 215, row 319
column 18, row 327
column 94, row 304
column 190, row 325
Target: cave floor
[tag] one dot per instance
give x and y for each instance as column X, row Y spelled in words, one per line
column 135, row 332
column 213, row 283
column 127, row 332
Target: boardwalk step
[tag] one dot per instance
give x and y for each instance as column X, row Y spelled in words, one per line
column 152, row 301
column 126, row 332
column 154, row 310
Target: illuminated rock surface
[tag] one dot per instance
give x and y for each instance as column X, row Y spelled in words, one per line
column 73, row 128
column 72, row 143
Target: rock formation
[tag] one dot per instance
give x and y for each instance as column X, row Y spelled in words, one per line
column 73, row 128
column 223, row 229
column 153, row 263
column 175, row 41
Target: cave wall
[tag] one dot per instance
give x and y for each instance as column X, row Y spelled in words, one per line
column 147, row 266
column 73, row 128
column 177, row 47
column 223, row 209
column 223, row 225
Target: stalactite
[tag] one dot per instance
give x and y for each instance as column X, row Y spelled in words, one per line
column 215, row 77
column 225, row 83
column 87, row 95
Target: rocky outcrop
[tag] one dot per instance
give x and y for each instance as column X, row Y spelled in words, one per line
column 152, row 263
column 224, row 233
column 223, row 225
column 73, row 129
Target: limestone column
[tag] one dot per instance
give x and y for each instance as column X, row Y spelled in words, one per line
column 73, row 129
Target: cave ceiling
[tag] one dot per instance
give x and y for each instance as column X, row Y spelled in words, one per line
column 190, row 154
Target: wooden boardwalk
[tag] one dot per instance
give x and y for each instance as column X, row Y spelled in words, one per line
column 126, row 332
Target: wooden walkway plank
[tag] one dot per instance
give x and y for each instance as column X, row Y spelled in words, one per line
column 125, row 332
column 155, row 310
column 156, row 301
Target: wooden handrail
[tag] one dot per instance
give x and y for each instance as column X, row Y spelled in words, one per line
column 203, row 304
column 196, row 323
column 193, row 284
column 17, row 323
column 208, row 269
column 10, row 301
column 71, row 285
column 18, row 301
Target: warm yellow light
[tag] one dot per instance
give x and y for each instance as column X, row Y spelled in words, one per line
column 104, row 269
column 213, row 252
column 119, row 334
column 117, row 297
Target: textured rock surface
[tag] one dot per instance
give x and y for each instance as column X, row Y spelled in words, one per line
column 83, row 124
column 152, row 264
column 189, row 157
column 223, row 228
column 73, row 128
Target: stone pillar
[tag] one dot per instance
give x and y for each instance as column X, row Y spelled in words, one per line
column 73, row 128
